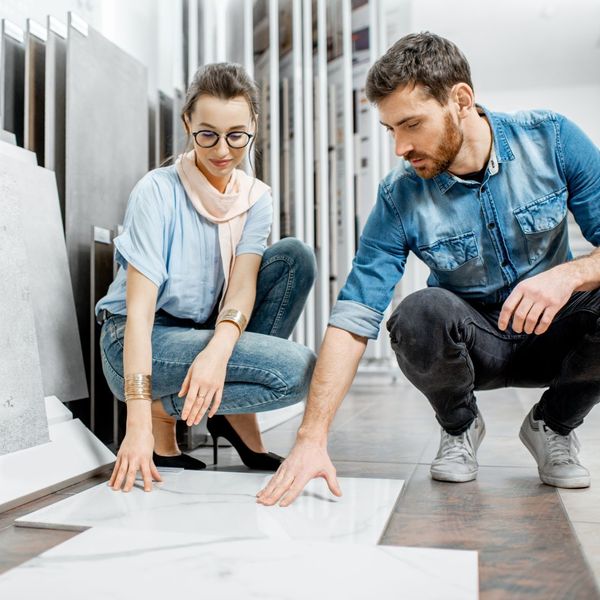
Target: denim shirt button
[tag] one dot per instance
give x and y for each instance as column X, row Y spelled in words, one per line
column 491, row 225
column 505, row 263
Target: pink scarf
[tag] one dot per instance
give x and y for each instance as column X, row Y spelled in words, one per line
column 228, row 210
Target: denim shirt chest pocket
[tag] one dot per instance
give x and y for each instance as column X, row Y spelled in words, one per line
column 542, row 221
column 455, row 261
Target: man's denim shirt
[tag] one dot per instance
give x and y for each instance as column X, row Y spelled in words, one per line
column 478, row 239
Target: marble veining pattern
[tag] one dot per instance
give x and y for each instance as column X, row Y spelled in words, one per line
column 155, row 565
column 223, row 505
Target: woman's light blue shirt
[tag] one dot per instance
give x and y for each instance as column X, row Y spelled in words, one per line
column 169, row 242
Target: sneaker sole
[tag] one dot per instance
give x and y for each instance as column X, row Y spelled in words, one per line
column 453, row 477
column 460, row 477
column 570, row 483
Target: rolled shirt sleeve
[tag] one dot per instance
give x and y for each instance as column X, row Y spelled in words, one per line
column 144, row 242
column 376, row 269
column 257, row 227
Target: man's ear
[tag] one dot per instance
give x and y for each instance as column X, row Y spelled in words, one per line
column 463, row 96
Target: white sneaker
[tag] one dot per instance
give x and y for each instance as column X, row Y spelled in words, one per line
column 555, row 454
column 456, row 459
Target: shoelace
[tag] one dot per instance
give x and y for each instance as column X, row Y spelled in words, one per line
column 457, row 447
column 560, row 449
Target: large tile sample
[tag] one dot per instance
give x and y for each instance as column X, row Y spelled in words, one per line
column 72, row 454
column 23, row 421
column 153, row 565
column 106, row 147
column 224, row 505
column 12, row 80
column 55, row 107
column 34, row 190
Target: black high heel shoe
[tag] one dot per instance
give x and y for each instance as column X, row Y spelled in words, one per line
column 218, row 426
column 181, row 461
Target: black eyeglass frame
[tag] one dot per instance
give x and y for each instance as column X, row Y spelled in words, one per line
column 220, row 135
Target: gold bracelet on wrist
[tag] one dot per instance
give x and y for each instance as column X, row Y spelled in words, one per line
column 138, row 387
column 232, row 315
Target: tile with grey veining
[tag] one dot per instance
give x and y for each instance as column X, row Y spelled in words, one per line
column 223, row 505
column 23, row 422
column 126, row 564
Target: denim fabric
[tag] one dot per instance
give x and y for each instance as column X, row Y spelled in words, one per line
column 266, row 371
column 478, row 239
column 448, row 348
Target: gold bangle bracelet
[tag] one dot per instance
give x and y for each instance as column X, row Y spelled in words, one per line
column 232, row 315
column 138, row 387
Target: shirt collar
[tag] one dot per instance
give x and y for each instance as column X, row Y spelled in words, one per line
column 501, row 151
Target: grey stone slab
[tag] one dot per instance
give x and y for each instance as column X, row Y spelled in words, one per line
column 179, row 135
column 60, row 355
column 164, row 128
column 55, row 108
column 23, row 422
column 106, row 148
column 12, row 80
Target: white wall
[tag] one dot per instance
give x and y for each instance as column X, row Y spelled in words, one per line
column 149, row 30
column 580, row 103
column 523, row 53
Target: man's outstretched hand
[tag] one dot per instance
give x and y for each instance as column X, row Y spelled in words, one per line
column 306, row 461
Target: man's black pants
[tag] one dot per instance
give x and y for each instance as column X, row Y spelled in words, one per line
column 448, row 348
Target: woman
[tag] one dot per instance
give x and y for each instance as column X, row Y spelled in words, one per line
column 194, row 271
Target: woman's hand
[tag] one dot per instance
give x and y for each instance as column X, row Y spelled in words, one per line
column 135, row 454
column 203, row 384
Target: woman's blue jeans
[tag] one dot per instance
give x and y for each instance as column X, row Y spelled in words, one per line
column 266, row 371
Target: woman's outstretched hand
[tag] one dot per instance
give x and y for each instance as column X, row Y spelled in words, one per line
column 203, row 385
column 135, row 454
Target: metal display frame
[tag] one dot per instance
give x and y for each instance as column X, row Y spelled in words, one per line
column 102, row 270
column 308, row 167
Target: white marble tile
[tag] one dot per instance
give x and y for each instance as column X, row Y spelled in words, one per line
column 120, row 564
column 224, row 505
column 72, row 454
column 56, row 411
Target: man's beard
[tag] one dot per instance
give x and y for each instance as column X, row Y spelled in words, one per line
column 447, row 151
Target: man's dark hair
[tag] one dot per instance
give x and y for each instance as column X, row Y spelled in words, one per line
column 423, row 59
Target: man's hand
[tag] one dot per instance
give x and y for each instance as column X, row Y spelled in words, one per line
column 534, row 302
column 306, row 461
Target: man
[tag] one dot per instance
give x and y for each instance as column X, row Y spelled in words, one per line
column 482, row 199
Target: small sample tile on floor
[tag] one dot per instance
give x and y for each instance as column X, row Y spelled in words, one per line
column 56, row 411
column 126, row 564
column 223, row 505
column 72, row 454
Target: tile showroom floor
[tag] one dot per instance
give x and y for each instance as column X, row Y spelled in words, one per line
column 533, row 541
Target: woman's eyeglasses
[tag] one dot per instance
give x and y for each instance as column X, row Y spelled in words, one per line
column 235, row 139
